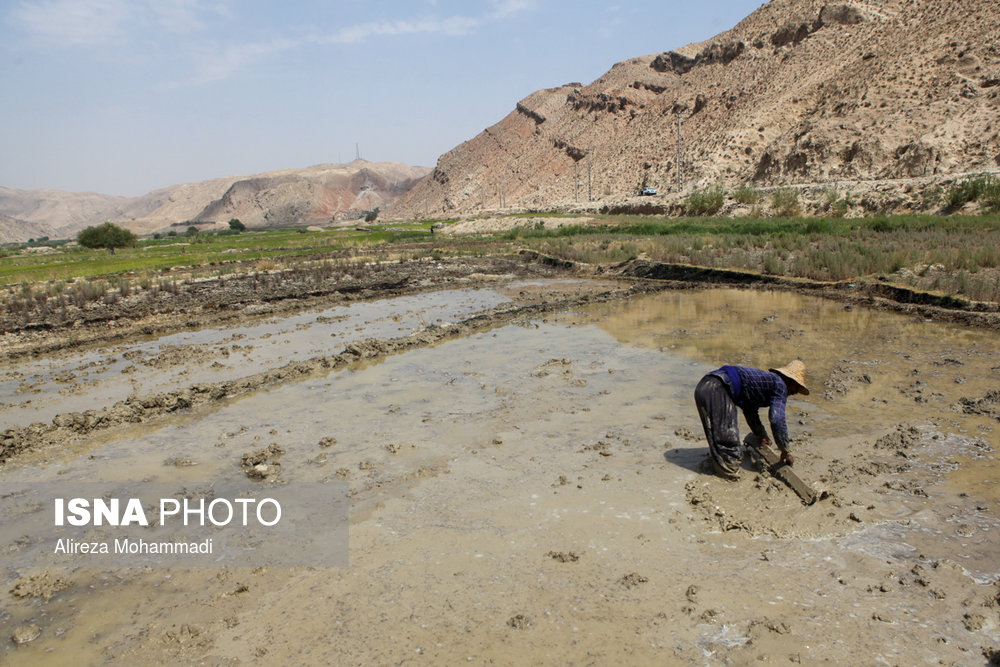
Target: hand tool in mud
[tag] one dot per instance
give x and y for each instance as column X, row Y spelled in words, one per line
column 778, row 469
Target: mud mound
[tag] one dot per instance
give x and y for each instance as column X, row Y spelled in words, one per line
column 988, row 405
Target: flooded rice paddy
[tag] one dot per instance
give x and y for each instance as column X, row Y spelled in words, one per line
column 536, row 492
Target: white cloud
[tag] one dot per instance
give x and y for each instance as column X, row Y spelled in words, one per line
column 184, row 16
column 89, row 23
column 506, row 8
column 74, row 22
column 454, row 25
column 137, row 23
column 218, row 65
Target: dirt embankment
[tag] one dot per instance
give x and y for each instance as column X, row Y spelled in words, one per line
column 877, row 295
column 206, row 302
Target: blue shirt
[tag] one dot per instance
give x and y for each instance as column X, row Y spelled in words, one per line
column 753, row 389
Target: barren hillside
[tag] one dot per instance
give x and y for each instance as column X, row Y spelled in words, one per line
column 315, row 195
column 800, row 91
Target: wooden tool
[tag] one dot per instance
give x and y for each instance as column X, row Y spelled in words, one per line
column 778, row 469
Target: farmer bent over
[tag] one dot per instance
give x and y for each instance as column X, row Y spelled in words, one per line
column 722, row 391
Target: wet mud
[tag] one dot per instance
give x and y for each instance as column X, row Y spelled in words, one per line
column 528, row 483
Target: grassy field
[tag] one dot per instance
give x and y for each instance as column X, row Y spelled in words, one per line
column 955, row 255
column 152, row 256
column 958, row 255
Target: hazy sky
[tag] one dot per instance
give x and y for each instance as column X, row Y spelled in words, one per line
column 126, row 96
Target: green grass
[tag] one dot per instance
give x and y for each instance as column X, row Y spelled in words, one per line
column 785, row 202
column 152, row 256
column 747, row 195
column 925, row 252
column 705, row 202
column 980, row 188
column 958, row 255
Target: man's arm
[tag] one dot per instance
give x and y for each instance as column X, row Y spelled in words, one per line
column 776, row 415
column 753, row 421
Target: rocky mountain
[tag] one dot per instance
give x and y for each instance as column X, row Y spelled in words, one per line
column 316, row 195
column 801, row 91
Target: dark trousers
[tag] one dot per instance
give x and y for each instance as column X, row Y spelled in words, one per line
column 720, row 419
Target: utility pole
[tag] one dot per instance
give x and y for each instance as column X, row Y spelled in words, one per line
column 680, row 153
column 590, row 196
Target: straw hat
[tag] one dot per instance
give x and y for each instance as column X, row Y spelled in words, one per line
column 796, row 372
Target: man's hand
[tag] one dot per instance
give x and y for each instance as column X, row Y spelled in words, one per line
column 787, row 458
column 765, row 441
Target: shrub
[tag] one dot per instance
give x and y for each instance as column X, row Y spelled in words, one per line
column 107, row 236
column 747, row 195
column 991, row 195
column 785, row 202
column 840, row 207
column 236, row 225
column 973, row 189
column 773, row 264
column 191, row 231
column 705, row 202
column 932, row 197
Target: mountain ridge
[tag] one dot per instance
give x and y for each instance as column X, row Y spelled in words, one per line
column 319, row 194
column 800, row 91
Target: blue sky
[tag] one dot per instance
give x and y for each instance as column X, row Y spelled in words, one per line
column 126, row 96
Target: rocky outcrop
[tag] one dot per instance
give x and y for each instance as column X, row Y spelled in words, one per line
column 721, row 53
column 533, row 115
column 581, row 101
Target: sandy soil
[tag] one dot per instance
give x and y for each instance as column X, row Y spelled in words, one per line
column 527, row 484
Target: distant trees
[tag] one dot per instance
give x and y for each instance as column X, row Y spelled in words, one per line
column 108, row 236
column 236, row 225
column 371, row 215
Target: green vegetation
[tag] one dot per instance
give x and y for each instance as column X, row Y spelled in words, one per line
column 924, row 252
column 955, row 255
column 236, row 225
column 747, row 195
column 834, row 204
column 785, row 202
column 705, row 202
column 985, row 189
column 108, row 236
column 205, row 252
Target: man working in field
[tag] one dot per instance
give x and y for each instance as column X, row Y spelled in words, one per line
column 722, row 391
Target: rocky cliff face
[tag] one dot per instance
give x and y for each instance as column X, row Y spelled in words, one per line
column 801, row 91
column 316, row 195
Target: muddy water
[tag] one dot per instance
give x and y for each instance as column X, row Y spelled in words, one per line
column 93, row 378
column 537, row 492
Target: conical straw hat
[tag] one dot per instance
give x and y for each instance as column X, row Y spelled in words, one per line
column 795, row 371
